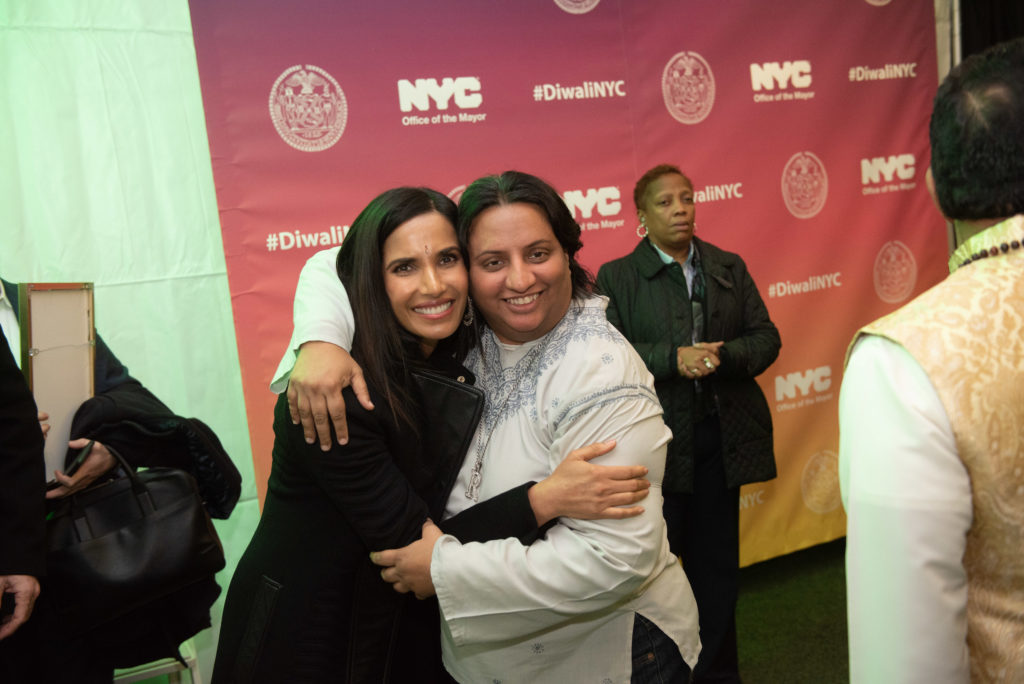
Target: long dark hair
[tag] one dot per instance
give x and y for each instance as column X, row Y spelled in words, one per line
column 385, row 350
column 515, row 186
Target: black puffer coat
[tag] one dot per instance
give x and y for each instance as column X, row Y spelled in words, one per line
column 649, row 303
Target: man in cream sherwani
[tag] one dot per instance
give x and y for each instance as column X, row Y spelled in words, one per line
column 932, row 417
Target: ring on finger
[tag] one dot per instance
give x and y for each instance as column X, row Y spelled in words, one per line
column 707, row 363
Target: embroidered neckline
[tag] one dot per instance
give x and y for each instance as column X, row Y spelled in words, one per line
column 506, row 388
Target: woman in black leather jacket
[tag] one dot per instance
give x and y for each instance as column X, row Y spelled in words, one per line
column 305, row 602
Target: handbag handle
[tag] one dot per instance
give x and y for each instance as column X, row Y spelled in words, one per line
column 142, row 496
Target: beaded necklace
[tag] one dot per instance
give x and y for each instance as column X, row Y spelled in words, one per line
column 991, row 252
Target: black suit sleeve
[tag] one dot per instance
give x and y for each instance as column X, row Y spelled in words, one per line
column 108, row 370
column 22, row 474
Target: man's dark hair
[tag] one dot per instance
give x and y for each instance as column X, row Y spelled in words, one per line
column 977, row 135
column 383, row 348
column 513, row 187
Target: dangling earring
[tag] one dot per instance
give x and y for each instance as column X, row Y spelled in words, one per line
column 641, row 230
column 467, row 318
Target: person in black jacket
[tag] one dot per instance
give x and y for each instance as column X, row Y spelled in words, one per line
column 127, row 416
column 108, row 373
column 306, row 603
column 693, row 313
column 22, row 558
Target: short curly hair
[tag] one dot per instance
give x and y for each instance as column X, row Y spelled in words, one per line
column 652, row 175
column 977, row 135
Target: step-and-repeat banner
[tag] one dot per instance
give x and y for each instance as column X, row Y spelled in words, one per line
column 802, row 123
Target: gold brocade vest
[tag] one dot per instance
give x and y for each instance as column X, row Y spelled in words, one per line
column 967, row 333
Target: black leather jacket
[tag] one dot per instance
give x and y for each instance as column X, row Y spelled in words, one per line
column 451, row 410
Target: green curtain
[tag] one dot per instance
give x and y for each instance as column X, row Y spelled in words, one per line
column 105, row 177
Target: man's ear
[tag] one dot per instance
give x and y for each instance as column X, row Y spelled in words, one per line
column 929, row 182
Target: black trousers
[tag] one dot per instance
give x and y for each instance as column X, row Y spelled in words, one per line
column 703, row 530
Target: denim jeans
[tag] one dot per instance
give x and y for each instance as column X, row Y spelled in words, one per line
column 656, row 658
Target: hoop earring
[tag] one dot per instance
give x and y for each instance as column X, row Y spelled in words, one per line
column 469, row 316
column 641, row 230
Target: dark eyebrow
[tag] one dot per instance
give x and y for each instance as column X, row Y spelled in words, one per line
column 398, row 262
column 536, row 243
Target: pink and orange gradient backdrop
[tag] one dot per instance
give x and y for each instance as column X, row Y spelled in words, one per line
column 819, row 107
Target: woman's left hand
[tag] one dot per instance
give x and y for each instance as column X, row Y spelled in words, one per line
column 408, row 568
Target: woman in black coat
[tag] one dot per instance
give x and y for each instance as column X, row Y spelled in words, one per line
column 306, row 603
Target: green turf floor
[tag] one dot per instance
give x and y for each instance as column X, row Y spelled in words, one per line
column 791, row 618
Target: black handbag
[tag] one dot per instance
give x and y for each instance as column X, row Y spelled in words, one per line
column 124, row 549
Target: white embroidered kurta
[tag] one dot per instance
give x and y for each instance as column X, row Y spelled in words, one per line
column 561, row 610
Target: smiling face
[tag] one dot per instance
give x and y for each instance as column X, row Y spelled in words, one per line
column 668, row 211
column 519, row 272
column 425, row 278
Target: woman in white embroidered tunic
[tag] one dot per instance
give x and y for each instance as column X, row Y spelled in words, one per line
column 579, row 604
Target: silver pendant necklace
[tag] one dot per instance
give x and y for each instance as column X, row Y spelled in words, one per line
column 521, row 369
